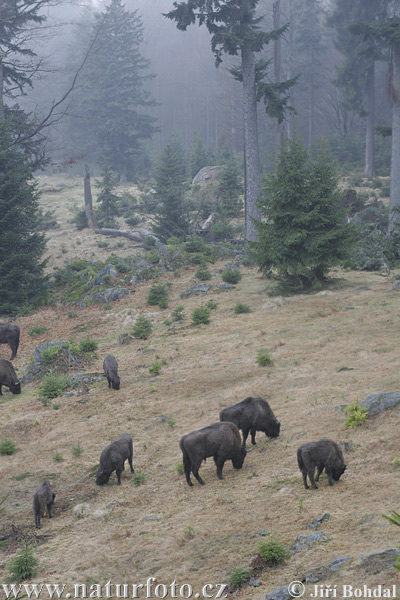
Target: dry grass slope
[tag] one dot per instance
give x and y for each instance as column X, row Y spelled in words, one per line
column 311, row 339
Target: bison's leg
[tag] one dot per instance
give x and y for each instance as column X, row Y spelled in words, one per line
column 253, row 436
column 319, row 471
column 49, row 509
column 118, row 472
column 245, row 434
column 109, row 382
column 187, row 467
column 195, row 471
column 220, row 465
column 130, row 463
column 14, row 348
column 1, row 393
column 37, row 520
column 304, row 473
column 311, row 476
column 329, row 473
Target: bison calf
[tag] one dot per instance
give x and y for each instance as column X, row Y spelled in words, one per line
column 251, row 415
column 110, row 367
column 113, row 458
column 9, row 377
column 324, row 454
column 220, row 440
column 9, row 334
column 43, row 498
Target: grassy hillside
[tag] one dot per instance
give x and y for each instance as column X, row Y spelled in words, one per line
column 329, row 349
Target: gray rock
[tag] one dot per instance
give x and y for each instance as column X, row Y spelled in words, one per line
column 111, row 505
column 108, row 270
column 347, row 446
column 40, row 367
column 151, row 518
column 124, row 339
column 349, row 308
column 315, row 574
column 83, row 378
column 196, row 290
column 263, row 532
column 281, row 593
column 376, row 403
column 317, row 522
column 81, row 510
column 303, row 541
column 69, row 394
column 225, row 287
column 363, row 287
column 379, row 561
column 205, row 174
column 254, row 582
column 338, row 563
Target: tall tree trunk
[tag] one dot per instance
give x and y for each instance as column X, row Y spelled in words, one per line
column 2, row 115
column 88, row 199
column 369, row 137
column 394, row 209
column 277, row 72
column 289, row 119
column 311, row 107
column 252, row 185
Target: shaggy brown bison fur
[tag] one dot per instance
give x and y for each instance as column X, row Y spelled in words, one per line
column 110, row 367
column 252, row 414
column 42, row 499
column 324, row 454
column 113, row 458
column 9, row 334
column 9, row 377
column 220, row 440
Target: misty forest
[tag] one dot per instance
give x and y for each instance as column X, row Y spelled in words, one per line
column 199, row 240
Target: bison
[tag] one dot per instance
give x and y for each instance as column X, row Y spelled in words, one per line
column 110, row 367
column 9, row 377
column 113, row 458
column 43, row 498
column 220, row 440
column 252, row 414
column 324, row 454
column 9, row 334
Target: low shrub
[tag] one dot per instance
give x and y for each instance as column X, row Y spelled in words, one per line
column 158, row 295
column 211, row 304
column 37, row 330
column 57, row 457
column 356, row 415
column 52, row 386
column 77, row 450
column 143, row 328
column 88, row 345
column 178, row 314
column 24, row 565
column 264, row 358
column 138, row 478
column 239, row 576
column 80, row 220
column 155, row 367
column 241, row 308
column 200, row 315
column 7, row 447
column 231, row 275
column 203, row 273
column 273, row 551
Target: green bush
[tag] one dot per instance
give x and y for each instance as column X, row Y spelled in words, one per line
column 88, row 345
column 273, row 551
column 138, row 478
column 52, row 386
column 203, row 273
column 80, row 220
column 7, row 447
column 179, row 469
column 200, row 315
column 142, row 328
column 24, row 565
column 133, row 221
column 178, row 313
column 221, row 231
column 231, row 275
column 77, row 450
column 57, row 457
column 239, row 576
column 211, row 304
column 49, row 354
column 72, row 314
column 240, row 308
column 356, row 415
column 195, row 243
column 264, row 358
column 37, row 330
column 102, row 244
column 155, row 367
column 158, row 295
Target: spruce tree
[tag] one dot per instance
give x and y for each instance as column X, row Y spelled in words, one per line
column 22, row 280
column 171, row 218
column 200, row 156
column 304, row 232
column 106, row 199
column 230, row 187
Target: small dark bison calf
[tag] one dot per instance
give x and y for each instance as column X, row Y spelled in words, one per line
column 110, row 367
column 324, row 454
column 9, row 377
column 43, row 498
column 252, row 414
column 9, row 334
column 220, row 440
column 113, row 458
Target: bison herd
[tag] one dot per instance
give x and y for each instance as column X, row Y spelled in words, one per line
column 221, row 440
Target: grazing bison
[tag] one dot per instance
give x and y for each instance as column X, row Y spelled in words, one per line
column 9, row 377
column 252, row 414
column 9, row 334
column 110, row 367
column 113, row 458
column 220, row 440
column 324, row 454
column 43, row 498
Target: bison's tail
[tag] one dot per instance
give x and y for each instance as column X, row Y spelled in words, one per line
column 300, row 459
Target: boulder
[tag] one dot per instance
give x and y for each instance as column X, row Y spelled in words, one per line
column 376, row 403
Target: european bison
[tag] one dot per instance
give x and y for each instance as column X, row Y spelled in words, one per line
column 43, row 498
column 110, row 367
column 9, row 334
column 9, row 377
column 220, row 440
column 252, row 414
column 324, row 454
column 113, row 458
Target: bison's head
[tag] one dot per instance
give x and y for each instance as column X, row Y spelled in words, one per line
column 102, row 476
column 115, row 383
column 338, row 471
column 15, row 387
column 239, row 458
column 273, row 429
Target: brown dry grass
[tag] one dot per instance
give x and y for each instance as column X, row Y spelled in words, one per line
column 207, row 368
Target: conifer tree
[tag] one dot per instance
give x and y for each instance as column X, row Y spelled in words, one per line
column 22, row 280
column 304, row 232
column 200, row 157
column 107, row 199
